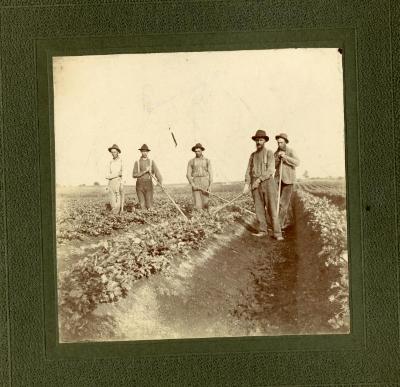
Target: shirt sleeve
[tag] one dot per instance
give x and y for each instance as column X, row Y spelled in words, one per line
column 292, row 160
column 210, row 171
column 189, row 172
column 108, row 174
column 135, row 172
column 247, row 177
column 270, row 166
column 156, row 172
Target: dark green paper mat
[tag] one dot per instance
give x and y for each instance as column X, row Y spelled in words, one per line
column 32, row 31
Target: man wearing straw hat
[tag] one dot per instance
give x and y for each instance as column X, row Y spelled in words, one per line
column 114, row 177
column 260, row 179
column 286, row 162
column 143, row 170
column 200, row 177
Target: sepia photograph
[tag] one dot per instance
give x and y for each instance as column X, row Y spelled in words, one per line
column 200, row 195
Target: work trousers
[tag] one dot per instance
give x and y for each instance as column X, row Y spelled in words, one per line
column 144, row 191
column 286, row 194
column 116, row 194
column 200, row 198
column 265, row 201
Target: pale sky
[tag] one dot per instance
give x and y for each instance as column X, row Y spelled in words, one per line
column 217, row 98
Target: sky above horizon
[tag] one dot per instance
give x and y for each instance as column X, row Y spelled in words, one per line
column 217, row 98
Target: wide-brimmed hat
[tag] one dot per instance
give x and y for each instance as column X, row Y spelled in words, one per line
column 116, row 147
column 282, row 135
column 144, row 147
column 198, row 146
column 260, row 134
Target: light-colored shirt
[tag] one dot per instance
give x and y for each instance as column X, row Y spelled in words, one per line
column 199, row 167
column 115, row 168
column 141, row 165
column 261, row 165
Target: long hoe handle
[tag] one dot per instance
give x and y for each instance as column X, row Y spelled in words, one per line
column 228, row 203
column 279, row 189
column 169, row 197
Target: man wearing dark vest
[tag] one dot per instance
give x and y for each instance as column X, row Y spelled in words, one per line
column 200, row 177
column 260, row 179
column 142, row 171
column 290, row 161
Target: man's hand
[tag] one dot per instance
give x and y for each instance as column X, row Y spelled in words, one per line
column 209, row 188
column 282, row 155
column 246, row 189
column 255, row 184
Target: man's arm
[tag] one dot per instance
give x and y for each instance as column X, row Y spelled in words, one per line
column 189, row 172
column 210, row 171
column 277, row 160
column 108, row 171
column 291, row 160
column 157, row 173
column 135, row 172
column 247, row 177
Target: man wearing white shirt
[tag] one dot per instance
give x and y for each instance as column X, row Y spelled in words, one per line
column 114, row 177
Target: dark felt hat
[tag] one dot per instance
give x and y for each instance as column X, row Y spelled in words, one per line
column 115, row 146
column 144, row 147
column 282, row 135
column 198, row 145
column 260, row 134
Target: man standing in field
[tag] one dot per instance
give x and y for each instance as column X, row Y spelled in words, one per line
column 286, row 162
column 199, row 175
column 260, row 179
column 143, row 170
column 114, row 177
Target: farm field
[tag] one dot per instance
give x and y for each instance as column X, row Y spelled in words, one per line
column 332, row 189
column 154, row 275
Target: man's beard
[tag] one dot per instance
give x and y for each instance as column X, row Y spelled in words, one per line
column 260, row 146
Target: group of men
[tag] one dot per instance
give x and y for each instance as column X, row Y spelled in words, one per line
column 267, row 174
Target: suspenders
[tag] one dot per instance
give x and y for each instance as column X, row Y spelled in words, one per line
column 151, row 169
column 151, row 165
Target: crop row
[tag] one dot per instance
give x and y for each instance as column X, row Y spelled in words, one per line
column 78, row 219
column 329, row 223
column 105, row 275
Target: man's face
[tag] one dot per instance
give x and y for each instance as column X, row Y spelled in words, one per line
column 144, row 154
column 114, row 153
column 260, row 142
column 198, row 152
column 281, row 143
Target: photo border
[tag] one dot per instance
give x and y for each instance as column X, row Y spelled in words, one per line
column 155, row 43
